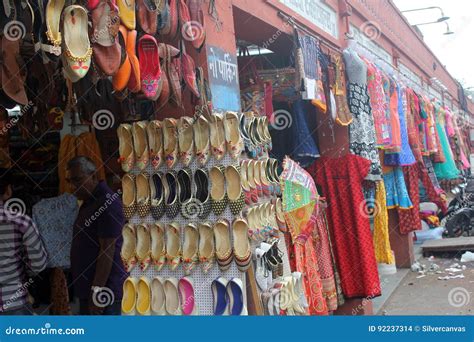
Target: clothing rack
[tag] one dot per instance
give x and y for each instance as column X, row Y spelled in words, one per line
column 301, row 27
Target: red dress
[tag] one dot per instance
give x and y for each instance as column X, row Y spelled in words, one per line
column 341, row 181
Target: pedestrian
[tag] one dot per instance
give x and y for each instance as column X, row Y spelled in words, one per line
column 22, row 253
column 97, row 270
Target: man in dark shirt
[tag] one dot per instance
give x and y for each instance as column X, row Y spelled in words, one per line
column 97, row 269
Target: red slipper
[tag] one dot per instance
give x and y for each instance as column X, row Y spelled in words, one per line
column 193, row 28
column 150, row 70
column 189, row 72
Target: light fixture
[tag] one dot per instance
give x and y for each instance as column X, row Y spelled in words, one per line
column 448, row 31
column 441, row 19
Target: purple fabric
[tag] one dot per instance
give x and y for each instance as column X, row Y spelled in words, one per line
column 101, row 216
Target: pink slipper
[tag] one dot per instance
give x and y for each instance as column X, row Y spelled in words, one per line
column 187, row 296
column 150, row 70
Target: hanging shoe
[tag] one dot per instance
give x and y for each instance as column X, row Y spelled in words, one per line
column 206, row 246
column 150, row 68
column 157, row 197
column 201, row 140
column 235, row 293
column 129, row 299
column 54, row 8
column 195, row 30
column 190, row 248
column 244, row 123
column 122, row 76
column 280, row 216
column 143, row 296
column 127, row 13
column 187, row 296
column 251, row 180
column 173, row 245
column 128, row 196
column 256, row 175
column 171, row 192
column 158, row 297
column 218, row 193
column 126, row 152
column 224, row 254
column 172, row 302
column 147, row 13
column 77, row 52
column 158, row 248
column 219, row 296
column 242, row 251
column 234, row 189
column 263, row 178
column 245, row 182
column 155, row 142
column 143, row 246
column 143, row 194
column 234, row 141
column 170, row 141
column 185, row 140
column 140, row 144
column 134, row 82
column 129, row 246
column 202, row 195
column 266, row 134
column 217, row 133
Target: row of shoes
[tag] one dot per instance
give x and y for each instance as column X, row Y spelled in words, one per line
column 182, row 192
column 269, row 264
column 184, row 139
column 266, row 220
column 196, row 243
column 286, row 297
column 260, row 179
column 170, row 296
column 256, row 135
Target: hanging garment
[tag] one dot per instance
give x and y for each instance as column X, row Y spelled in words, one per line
column 431, row 173
column 323, row 253
column 396, row 190
column 413, row 122
column 448, row 169
column 307, row 264
column 391, row 113
column 383, row 251
column 343, row 116
column 405, row 157
column 361, row 130
column 378, row 104
column 341, row 181
column 54, row 218
column 409, row 219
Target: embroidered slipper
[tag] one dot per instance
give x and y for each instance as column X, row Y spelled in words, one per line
column 143, row 246
column 187, row 296
column 54, row 9
column 219, row 296
column 77, row 52
column 157, row 205
column 129, row 299
column 207, row 248
column 171, row 193
column 189, row 208
column 242, row 251
column 140, row 144
column 144, row 296
column 217, row 136
column 202, row 194
column 173, row 20
column 150, row 69
column 172, row 301
column 170, row 141
column 189, row 72
column 235, row 293
column 128, row 196
column 234, row 189
column 158, row 249
column 127, row 13
column 235, row 144
column 195, row 28
column 105, row 45
column 148, row 16
column 121, row 78
column 190, row 248
column 143, row 194
column 173, row 245
column 134, row 84
column 126, row 152
column 201, row 140
column 223, row 245
column 164, row 19
column 129, row 247
column 158, row 297
column 155, row 141
column 218, row 193
column 185, row 140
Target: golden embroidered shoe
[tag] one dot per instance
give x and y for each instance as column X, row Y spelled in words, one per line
column 173, row 245
column 155, row 142
column 234, row 141
column 206, row 246
column 158, row 248
column 143, row 246
column 126, row 153
column 190, row 248
column 185, row 140
column 140, row 144
column 170, row 142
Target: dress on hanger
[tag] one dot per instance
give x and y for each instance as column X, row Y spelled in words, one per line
column 448, row 169
column 383, row 251
column 341, row 181
column 396, row 190
column 362, row 140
